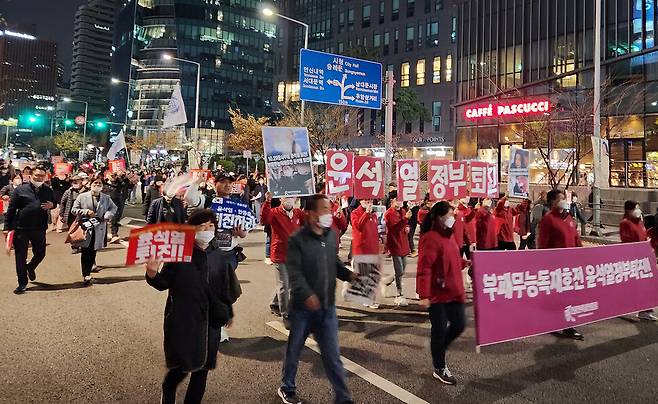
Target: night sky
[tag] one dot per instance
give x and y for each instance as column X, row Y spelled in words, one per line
column 48, row 19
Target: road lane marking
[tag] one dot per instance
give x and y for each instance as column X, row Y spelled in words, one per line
column 372, row 378
column 133, row 226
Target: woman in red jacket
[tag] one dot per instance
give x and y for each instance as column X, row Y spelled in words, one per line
column 397, row 242
column 440, row 285
column 485, row 227
column 631, row 230
column 505, row 217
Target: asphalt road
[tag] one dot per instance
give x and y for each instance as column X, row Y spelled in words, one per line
column 63, row 343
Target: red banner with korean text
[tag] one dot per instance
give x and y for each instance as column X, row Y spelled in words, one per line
column 171, row 242
column 115, row 166
column 339, row 175
column 368, row 177
column 408, row 180
column 198, row 173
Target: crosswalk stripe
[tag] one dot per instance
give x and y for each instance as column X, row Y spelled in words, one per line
column 372, row 378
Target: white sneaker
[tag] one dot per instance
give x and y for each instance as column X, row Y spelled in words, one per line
column 401, row 301
column 375, row 305
column 382, row 290
column 114, row 239
column 647, row 316
column 268, row 261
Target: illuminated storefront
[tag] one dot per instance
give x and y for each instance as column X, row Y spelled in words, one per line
column 522, row 65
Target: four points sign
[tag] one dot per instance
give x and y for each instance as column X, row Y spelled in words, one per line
column 339, row 80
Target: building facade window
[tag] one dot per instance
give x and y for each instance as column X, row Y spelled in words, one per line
column 420, row 72
column 436, row 116
column 395, row 13
column 281, row 92
column 411, row 7
column 396, row 41
column 453, row 33
column 350, row 19
column 365, row 16
column 341, row 21
column 376, row 40
column 404, row 74
column 409, row 40
column 382, row 11
column 449, row 68
column 436, row 70
column 387, row 40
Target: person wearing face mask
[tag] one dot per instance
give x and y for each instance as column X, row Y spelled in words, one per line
column 485, row 227
column 505, row 217
column 557, row 229
column 365, row 236
column 466, row 214
column 258, row 195
column 27, row 215
column 153, row 192
column 397, row 242
column 313, row 267
column 169, row 207
column 284, row 221
column 68, row 198
column 632, row 230
column 200, row 298
column 576, row 211
column 93, row 210
column 60, row 183
column 524, row 225
column 7, row 191
column 440, row 285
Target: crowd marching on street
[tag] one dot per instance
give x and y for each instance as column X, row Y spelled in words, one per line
column 303, row 240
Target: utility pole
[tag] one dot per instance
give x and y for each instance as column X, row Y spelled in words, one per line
column 596, row 190
column 388, row 127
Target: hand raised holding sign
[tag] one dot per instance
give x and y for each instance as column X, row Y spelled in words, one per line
column 153, row 265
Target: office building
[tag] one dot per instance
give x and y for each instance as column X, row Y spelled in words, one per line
column 28, row 74
column 92, row 60
column 416, row 39
column 513, row 52
column 229, row 40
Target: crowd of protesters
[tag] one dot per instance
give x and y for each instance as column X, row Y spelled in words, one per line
column 303, row 242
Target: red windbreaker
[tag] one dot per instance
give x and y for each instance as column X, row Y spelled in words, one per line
column 397, row 233
column 505, row 218
column 282, row 227
column 631, row 230
column 468, row 214
column 556, row 231
column 340, row 223
column 485, row 230
column 365, row 237
column 439, row 271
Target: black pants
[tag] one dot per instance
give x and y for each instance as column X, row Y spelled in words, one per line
column 528, row 243
column 412, row 233
column 22, row 238
column 466, row 251
column 448, row 322
column 195, row 389
column 115, row 220
column 88, row 256
column 506, row 245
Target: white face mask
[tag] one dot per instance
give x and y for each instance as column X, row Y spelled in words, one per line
column 506, row 204
column 637, row 213
column 449, row 222
column 37, row 183
column 564, row 204
column 96, row 189
column 487, row 203
column 204, row 237
column 574, row 199
column 326, row 220
column 466, row 200
column 76, row 186
column 288, row 204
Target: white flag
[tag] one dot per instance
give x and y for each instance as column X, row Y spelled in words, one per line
column 175, row 114
column 119, row 143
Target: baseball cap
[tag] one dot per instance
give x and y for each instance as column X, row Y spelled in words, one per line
column 224, row 176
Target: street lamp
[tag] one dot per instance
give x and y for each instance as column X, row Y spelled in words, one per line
column 84, row 128
column 269, row 12
column 167, row 56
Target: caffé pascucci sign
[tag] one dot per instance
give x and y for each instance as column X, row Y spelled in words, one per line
column 507, row 109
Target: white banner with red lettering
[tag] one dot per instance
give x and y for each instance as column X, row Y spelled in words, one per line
column 447, row 179
column 408, row 180
column 339, row 173
column 484, row 179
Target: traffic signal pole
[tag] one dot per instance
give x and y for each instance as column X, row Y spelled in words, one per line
column 388, row 127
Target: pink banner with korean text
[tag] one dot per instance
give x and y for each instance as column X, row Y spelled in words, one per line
column 519, row 294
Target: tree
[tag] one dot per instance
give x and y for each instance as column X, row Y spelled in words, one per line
column 43, row 144
column 363, row 52
column 409, row 108
column 68, row 142
column 247, row 131
column 327, row 126
column 168, row 140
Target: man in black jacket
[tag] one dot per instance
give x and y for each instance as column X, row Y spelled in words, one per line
column 27, row 215
column 118, row 188
column 313, row 267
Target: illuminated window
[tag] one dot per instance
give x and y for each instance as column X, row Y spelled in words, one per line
column 281, row 92
column 404, row 74
column 436, row 116
column 420, row 72
column 436, row 70
column 292, row 90
column 449, row 68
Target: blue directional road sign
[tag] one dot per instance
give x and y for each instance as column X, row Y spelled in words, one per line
column 339, row 80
